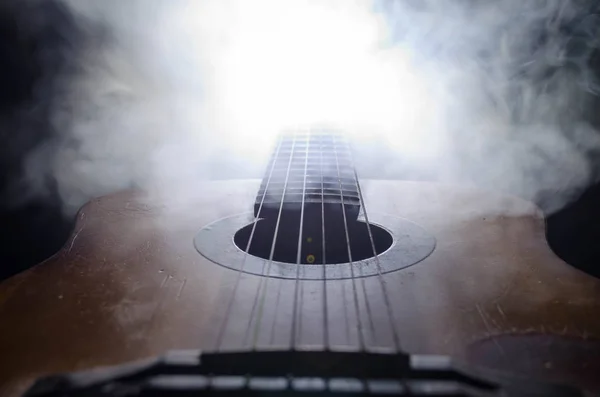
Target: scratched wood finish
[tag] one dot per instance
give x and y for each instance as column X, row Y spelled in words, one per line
column 129, row 284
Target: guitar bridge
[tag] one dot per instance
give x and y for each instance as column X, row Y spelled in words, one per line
column 293, row 373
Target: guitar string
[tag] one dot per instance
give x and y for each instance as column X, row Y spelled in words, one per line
column 346, row 315
column 267, row 264
column 225, row 320
column 395, row 336
column 325, row 306
column 355, row 294
column 324, row 255
column 360, row 269
column 359, row 326
column 276, row 310
column 273, row 244
column 387, row 303
column 361, row 336
column 299, row 252
column 278, row 298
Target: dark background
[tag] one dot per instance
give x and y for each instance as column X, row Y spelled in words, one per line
column 40, row 45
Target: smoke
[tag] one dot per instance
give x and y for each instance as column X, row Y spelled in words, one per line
column 166, row 93
column 515, row 89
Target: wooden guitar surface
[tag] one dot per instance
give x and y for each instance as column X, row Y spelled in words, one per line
column 130, row 284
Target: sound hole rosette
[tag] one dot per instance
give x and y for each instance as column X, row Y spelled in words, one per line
column 411, row 244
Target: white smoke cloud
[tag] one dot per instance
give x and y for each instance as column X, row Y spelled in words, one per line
column 514, row 89
column 493, row 93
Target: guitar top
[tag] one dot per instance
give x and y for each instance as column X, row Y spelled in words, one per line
column 467, row 273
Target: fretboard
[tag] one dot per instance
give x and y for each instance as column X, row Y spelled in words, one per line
column 307, row 169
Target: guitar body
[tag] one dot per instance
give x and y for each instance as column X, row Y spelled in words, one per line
column 129, row 283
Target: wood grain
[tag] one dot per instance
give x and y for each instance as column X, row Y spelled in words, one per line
column 129, row 284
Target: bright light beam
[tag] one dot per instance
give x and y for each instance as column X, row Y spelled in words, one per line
column 283, row 65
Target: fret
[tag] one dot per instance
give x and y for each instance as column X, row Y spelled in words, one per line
column 316, row 178
column 343, row 151
column 327, row 199
column 330, row 188
column 294, row 166
column 315, row 143
column 311, row 191
column 313, row 181
column 343, row 159
column 297, row 174
column 285, row 146
column 303, row 147
column 351, row 191
column 345, row 174
column 322, row 140
column 316, row 196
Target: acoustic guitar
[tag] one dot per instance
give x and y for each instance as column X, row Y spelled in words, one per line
column 309, row 271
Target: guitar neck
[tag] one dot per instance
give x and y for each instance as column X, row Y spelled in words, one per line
column 309, row 169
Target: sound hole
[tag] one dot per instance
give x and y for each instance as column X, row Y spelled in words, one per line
column 224, row 242
column 338, row 242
